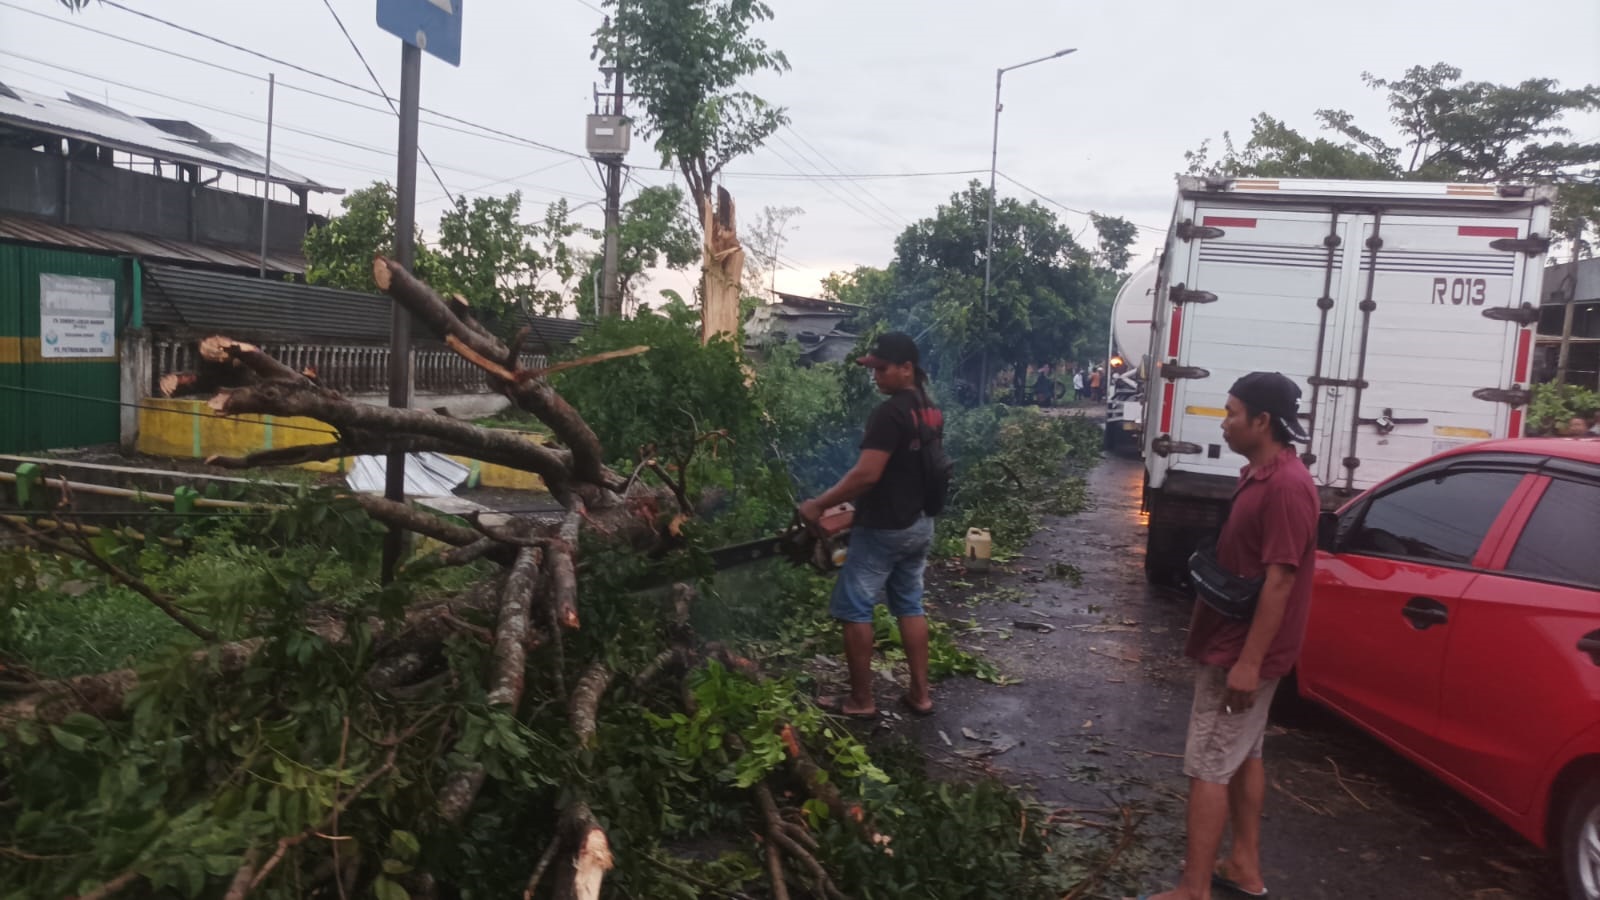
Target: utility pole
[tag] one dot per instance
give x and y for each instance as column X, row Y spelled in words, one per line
column 266, row 186
column 611, row 280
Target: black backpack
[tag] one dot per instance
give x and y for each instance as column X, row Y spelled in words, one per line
column 937, row 468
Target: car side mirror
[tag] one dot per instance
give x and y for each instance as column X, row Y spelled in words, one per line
column 1328, row 532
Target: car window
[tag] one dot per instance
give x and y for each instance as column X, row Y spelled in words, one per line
column 1439, row 519
column 1559, row 541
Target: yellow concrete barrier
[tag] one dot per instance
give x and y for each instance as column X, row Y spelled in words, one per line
column 188, row 429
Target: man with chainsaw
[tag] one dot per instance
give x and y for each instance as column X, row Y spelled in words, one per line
column 893, row 483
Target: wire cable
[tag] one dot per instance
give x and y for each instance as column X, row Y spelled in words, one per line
column 869, row 195
column 1080, row 212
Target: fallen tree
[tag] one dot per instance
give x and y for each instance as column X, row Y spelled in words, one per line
column 440, row 684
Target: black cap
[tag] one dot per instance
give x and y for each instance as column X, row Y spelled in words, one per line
column 1273, row 393
column 893, row 348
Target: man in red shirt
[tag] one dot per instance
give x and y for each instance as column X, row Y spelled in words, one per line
column 1271, row 533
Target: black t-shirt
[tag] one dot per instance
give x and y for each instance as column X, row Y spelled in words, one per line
column 896, row 501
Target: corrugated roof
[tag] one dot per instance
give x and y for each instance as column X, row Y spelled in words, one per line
column 256, row 309
column 170, row 140
column 38, row 231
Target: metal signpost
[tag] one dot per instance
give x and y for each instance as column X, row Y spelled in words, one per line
column 434, row 26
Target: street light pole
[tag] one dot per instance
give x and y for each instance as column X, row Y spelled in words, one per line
column 988, row 253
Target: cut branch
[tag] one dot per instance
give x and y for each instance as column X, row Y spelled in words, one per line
column 528, row 374
column 591, row 854
column 584, row 707
column 403, row 515
column 282, row 399
column 510, row 653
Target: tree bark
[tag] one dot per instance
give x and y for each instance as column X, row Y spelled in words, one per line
column 591, row 854
column 724, row 269
column 510, row 653
column 584, row 707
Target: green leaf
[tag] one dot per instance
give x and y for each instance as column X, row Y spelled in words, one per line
column 385, row 889
column 404, row 844
column 395, row 867
column 70, row 742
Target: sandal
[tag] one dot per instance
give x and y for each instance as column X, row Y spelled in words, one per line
column 835, row 706
column 1219, row 880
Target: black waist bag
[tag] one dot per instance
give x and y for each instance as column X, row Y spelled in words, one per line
column 1232, row 595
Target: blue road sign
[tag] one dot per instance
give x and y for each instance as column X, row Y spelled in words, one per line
column 433, row 26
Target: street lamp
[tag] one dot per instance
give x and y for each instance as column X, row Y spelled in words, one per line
column 988, row 253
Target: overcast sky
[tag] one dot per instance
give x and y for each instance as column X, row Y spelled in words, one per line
column 877, row 87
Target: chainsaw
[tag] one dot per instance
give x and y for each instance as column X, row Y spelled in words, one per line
column 820, row 544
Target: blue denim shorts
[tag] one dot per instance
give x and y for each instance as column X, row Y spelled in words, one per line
column 883, row 562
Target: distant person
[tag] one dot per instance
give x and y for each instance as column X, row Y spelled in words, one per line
column 1078, row 386
column 1044, row 388
column 891, row 536
column 1270, row 534
column 1594, row 420
column 1094, row 385
column 1577, row 426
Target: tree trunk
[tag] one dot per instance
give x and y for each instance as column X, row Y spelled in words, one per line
column 724, row 269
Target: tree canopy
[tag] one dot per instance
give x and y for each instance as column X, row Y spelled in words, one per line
column 484, row 251
column 655, row 231
column 1443, row 128
column 1044, row 304
column 683, row 61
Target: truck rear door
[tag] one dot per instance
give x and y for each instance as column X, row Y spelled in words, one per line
column 1267, row 269
column 1415, row 343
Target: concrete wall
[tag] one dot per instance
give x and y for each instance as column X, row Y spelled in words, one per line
column 101, row 196
column 188, row 429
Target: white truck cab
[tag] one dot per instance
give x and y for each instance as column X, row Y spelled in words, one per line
column 1404, row 311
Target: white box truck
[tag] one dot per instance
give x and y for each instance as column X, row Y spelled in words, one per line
column 1404, row 310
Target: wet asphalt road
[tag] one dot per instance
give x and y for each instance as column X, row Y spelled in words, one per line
column 1100, row 717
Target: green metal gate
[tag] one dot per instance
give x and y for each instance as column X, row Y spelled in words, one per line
column 48, row 402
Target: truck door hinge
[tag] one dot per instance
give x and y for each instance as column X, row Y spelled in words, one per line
column 1526, row 314
column 1533, row 245
column 1188, row 231
column 1180, row 294
column 1387, row 422
column 1165, row 446
column 1515, row 396
column 1172, row 371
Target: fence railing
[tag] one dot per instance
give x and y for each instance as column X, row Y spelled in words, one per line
column 349, row 369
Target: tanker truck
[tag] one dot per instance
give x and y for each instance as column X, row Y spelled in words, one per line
column 1128, row 355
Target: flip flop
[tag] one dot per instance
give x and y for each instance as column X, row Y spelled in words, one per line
column 921, row 713
column 1218, row 880
column 835, row 706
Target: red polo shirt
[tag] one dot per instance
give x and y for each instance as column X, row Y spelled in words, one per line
column 1273, row 521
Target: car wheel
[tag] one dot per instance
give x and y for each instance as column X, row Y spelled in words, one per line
column 1580, row 843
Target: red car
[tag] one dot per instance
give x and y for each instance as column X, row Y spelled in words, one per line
column 1456, row 616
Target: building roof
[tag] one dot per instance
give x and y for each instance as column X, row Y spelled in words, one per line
column 39, row 231
column 812, row 303
column 169, row 140
column 194, row 301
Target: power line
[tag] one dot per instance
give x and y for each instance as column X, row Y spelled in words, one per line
column 299, row 68
column 392, row 108
column 830, row 163
column 1080, row 212
column 867, row 214
column 303, row 154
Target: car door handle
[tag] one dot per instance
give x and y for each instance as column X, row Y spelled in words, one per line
column 1425, row 612
column 1590, row 644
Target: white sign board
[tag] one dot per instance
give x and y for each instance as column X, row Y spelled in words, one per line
column 77, row 317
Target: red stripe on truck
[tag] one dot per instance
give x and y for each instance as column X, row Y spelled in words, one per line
column 1228, row 222
column 1519, row 375
column 1168, row 392
column 1486, row 231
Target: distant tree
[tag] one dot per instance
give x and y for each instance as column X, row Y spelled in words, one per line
column 655, row 232
column 763, row 239
column 339, row 253
column 485, row 252
column 1044, row 288
column 1446, row 129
